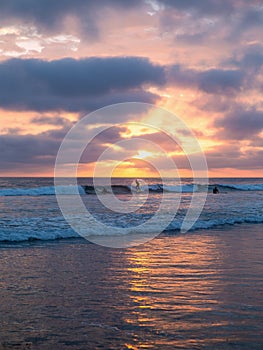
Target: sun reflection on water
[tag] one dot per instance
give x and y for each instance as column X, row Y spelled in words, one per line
column 172, row 287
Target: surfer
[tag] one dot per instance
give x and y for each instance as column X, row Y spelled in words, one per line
column 137, row 185
column 215, row 190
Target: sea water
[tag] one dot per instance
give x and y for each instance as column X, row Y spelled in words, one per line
column 29, row 209
column 197, row 290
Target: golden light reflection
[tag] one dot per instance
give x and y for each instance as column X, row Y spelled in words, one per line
column 168, row 281
column 141, row 345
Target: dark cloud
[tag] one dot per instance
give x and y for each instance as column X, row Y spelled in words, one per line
column 210, row 23
column 22, row 151
column 111, row 134
column 240, row 124
column 249, row 60
column 101, row 142
column 215, row 103
column 134, row 95
column 206, row 7
column 181, row 76
column 212, row 81
column 55, row 120
column 230, row 156
column 76, row 85
column 11, row 131
column 257, row 141
column 192, row 39
column 218, row 81
column 31, row 153
column 162, row 139
column 49, row 15
column 251, row 17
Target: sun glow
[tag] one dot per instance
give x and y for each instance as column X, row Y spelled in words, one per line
column 145, row 154
column 133, row 130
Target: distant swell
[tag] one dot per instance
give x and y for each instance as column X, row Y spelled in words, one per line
column 125, row 189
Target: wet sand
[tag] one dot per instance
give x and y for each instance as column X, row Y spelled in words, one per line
column 202, row 290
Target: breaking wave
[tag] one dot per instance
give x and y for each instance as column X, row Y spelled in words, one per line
column 125, row 189
column 41, row 191
column 29, row 233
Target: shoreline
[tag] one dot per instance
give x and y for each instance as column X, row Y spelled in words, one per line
column 171, row 233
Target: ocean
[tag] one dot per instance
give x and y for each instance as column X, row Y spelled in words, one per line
column 201, row 289
column 29, row 208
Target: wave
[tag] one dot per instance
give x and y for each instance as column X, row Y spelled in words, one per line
column 41, row 191
column 243, row 187
column 117, row 189
column 37, row 236
column 189, row 188
column 184, row 188
column 213, row 223
column 125, row 189
column 172, row 229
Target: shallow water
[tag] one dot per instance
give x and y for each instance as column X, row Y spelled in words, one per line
column 201, row 290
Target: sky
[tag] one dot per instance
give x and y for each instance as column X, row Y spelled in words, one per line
column 200, row 60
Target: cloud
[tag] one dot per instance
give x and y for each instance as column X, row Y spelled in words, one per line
column 101, row 142
column 212, row 24
column 24, row 151
column 220, row 81
column 27, row 153
column 211, row 81
column 192, row 38
column 214, row 104
column 33, row 153
column 160, row 138
column 50, row 16
column 231, row 156
column 249, row 60
column 202, row 7
column 76, row 85
column 249, row 18
column 55, row 120
column 240, row 124
column 207, row 7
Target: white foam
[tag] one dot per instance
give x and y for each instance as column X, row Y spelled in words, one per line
column 56, row 228
column 208, row 224
column 41, row 191
column 180, row 189
column 244, row 187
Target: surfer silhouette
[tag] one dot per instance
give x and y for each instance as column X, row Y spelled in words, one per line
column 215, row 190
column 137, row 185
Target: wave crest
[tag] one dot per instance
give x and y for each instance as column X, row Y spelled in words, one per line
column 125, row 189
